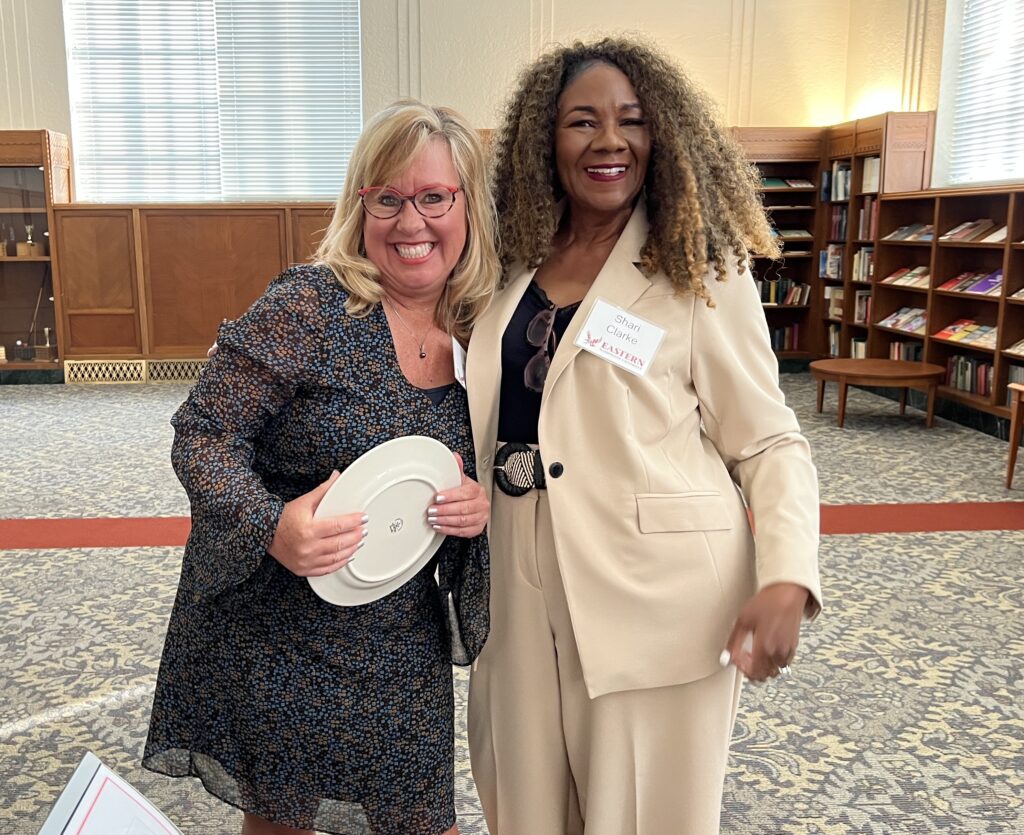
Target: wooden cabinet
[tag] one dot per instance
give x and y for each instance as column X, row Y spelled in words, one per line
column 34, row 177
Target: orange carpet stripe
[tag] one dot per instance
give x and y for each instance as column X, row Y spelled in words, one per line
column 138, row 532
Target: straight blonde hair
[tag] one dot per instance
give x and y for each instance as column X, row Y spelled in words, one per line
column 387, row 147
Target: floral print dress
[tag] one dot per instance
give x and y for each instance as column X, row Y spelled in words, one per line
column 338, row 719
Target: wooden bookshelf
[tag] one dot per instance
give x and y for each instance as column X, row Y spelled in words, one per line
column 788, row 154
column 946, row 209
column 863, row 160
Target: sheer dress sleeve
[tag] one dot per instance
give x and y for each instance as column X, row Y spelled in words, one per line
column 262, row 359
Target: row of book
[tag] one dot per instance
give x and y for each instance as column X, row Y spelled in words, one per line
column 912, row 351
column 1016, row 376
column 969, row 332
column 861, row 307
column 785, row 182
column 863, row 264
column 837, row 223
column 909, row 319
column 867, row 219
column 786, row 339
column 835, row 183
column 783, row 291
column 912, row 232
column 830, row 262
column 909, row 277
column 979, row 284
column 969, row 374
column 834, row 302
column 834, row 336
column 982, row 231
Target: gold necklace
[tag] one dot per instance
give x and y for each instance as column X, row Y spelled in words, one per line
column 423, row 342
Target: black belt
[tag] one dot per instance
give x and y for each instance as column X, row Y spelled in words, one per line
column 518, row 469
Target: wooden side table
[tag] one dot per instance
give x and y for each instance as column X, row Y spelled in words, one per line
column 901, row 374
column 1016, row 426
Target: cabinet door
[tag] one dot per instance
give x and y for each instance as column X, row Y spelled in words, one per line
column 205, row 265
column 308, row 227
column 98, row 282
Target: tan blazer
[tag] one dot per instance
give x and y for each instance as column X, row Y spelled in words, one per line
column 651, row 533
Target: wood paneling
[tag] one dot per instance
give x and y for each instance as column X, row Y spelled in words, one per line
column 99, row 276
column 202, row 265
column 308, row 227
column 780, row 144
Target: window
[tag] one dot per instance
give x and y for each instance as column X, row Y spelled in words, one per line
column 980, row 130
column 209, row 100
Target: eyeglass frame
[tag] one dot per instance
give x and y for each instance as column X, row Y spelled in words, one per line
column 453, row 190
column 542, row 357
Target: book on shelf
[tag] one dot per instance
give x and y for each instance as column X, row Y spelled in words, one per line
column 958, row 283
column 773, row 182
column 910, row 351
column 909, row 319
column 908, row 277
column 870, row 175
column 834, row 335
column 969, row 231
column 997, row 236
column 953, row 328
column 1016, row 375
column 867, row 220
column 799, row 183
column 862, row 307
column 1017, row 349
column 786, row 339
column 1017, row 295
column 983, row 336
column 987, row 285
column 795, row 234
column 782, row 291
column 837, row 225
column 834, row 300
column 969, row 374
column 840, row 181
column 864, row 264
column 912, row 232
column 858, row 348
column 830, row 262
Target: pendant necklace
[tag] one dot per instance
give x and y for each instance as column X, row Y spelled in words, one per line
column 423, row 342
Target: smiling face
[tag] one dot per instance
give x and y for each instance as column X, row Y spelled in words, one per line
column 602, row 140
column 415, row 255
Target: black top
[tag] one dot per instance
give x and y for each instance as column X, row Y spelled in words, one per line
column 519, row 407
column 438, row 394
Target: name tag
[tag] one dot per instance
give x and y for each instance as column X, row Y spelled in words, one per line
column 618, row 336
column 459, row 359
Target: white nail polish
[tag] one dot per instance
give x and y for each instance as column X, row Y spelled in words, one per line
column 725, row 658
column 439, row 499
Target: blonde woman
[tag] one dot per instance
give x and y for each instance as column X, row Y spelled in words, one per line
column 302, row 714
column 623, row 383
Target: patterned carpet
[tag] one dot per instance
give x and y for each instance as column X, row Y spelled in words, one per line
column 903, row 714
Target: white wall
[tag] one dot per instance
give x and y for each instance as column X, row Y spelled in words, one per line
column 766, row 62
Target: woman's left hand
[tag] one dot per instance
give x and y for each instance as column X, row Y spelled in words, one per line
column 462, row 511
column 772, row 619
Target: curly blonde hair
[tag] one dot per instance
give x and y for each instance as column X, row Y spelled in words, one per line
column 389, row 143
column 702, row 194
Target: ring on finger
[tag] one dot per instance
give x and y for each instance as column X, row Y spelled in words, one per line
column 784, row 670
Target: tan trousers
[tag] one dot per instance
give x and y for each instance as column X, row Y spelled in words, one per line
column 549, row 760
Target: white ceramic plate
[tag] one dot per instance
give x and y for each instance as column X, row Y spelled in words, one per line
column 394, row 484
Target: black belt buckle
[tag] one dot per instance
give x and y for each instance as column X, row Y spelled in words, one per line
column 518, row 469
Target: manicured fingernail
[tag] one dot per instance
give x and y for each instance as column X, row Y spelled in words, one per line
column 364, row 519
column 436, row 527
column 725, row 658
column 366, row 533
column 431, row 511
column 440, row 498
column 361, row 544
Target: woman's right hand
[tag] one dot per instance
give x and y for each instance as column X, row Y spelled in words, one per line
column 310, row 547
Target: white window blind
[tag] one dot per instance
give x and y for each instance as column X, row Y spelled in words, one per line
column 210, row 100
column 980, row 129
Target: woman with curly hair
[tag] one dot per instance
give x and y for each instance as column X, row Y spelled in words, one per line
column 625, row 402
